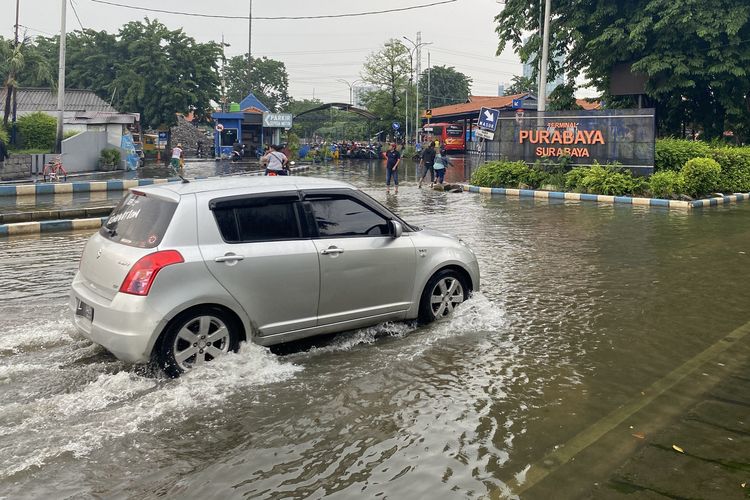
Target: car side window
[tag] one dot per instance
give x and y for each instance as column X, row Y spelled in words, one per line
column 258, row 220
column 343, row 217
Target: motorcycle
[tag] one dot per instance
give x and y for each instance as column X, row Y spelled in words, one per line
column 238, row 154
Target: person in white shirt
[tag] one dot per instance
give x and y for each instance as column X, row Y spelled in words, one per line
column 176, row 157
column 276, row 162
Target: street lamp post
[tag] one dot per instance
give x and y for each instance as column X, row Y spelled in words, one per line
column 417, row 46
column 61, row 83
column 351, row 89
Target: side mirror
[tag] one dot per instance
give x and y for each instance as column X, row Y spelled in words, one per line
column 396, row 229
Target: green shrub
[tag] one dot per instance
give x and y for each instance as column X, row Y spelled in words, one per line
column 501, row 174
column 735, row 168
column 671, row 154
column 110, row 156
column 71, row 133
column 38, row 131
column 701, row 176
column 604, row 179
column 4, row 136
column 574, row 178
column 665, row 184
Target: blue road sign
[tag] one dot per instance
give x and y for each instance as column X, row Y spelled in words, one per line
column 517, row 103
column 396, row 125
column 488, row 118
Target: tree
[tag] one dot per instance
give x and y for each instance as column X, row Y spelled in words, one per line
column 145, row 68
column 521, row 85
column 390, row 71
column 563, row 97
column 693, row 53
column 161, row 72
column 267, row 79
column 20, row 64
column 447, row 86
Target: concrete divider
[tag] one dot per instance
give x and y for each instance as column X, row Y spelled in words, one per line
column 24, row 223
column 615, row 200
column 50, row 226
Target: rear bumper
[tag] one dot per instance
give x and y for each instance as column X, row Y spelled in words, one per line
column 124, row 326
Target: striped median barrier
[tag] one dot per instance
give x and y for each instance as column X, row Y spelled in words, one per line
column 27, row 223
column 615, row 200
column 50, row 226
column 53, row 188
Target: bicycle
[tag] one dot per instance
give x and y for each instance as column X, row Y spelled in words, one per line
column 54, row 170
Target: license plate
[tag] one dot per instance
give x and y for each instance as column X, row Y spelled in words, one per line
column 85, row 310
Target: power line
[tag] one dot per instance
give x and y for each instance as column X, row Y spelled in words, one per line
column 75, row 11
column 280, row 18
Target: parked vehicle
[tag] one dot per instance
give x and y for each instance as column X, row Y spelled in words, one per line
column 185, row 272
column 450, row 135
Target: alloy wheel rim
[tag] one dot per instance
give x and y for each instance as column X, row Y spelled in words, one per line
column 199, row 340
column 446, row 296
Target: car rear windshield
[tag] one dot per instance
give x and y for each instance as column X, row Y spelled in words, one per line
column 139, row 221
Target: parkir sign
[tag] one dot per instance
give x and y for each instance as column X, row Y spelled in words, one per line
column 624, row 136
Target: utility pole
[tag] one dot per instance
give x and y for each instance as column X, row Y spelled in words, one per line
column 250, row 40
column 15, row 88
column 542, row 97
column 429, row 85
column 417, row 48
column 417, row 121
column 61, row 81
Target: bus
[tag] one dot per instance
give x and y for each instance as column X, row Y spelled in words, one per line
column 450, row 135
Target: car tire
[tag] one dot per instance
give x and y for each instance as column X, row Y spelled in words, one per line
column 195, row 337
column 442, row 294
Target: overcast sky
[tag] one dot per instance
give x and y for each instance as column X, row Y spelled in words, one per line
column 316, row 52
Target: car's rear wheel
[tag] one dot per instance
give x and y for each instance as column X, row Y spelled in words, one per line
column 196, row 337
column 445, row 291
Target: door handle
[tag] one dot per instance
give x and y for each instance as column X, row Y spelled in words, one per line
column 332, row 251
column 230, row 257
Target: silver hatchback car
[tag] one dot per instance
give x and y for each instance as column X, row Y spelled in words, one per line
column 182, row 273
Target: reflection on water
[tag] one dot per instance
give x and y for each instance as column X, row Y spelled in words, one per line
column 581, row 307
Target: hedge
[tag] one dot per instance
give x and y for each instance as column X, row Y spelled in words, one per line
column 672, row 154
column 38, row 131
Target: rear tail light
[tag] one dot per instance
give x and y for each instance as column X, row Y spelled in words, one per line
column 142, row 274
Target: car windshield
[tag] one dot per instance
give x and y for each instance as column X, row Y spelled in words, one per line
column 139, row 221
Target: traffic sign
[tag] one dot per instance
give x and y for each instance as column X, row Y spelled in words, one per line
column 485, row 134
column 428, row 113
column 396, row 125
column 488, row 118
column 277, row 120
column 517, row 103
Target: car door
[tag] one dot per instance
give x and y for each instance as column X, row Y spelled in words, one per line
column 364, row 271
column 257, row 248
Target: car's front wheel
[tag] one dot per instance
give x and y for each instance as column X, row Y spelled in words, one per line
column 196, row 337
column 442, row 294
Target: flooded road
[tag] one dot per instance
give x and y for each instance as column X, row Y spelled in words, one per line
column 582, row 308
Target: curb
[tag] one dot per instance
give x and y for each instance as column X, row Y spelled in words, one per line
column 614, row 200
column 47, row 188
column 50, row 226
column 62, row 214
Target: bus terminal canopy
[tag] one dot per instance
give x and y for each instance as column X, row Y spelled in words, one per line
column 342, row 107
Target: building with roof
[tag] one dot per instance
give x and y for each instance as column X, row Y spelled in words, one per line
column 249, row 123
column 98, row 124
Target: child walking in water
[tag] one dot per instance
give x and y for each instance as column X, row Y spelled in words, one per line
column 441, row 163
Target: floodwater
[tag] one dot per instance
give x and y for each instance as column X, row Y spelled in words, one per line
column 582, row 307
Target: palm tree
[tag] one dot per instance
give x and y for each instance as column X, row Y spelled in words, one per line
column 17, row 61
